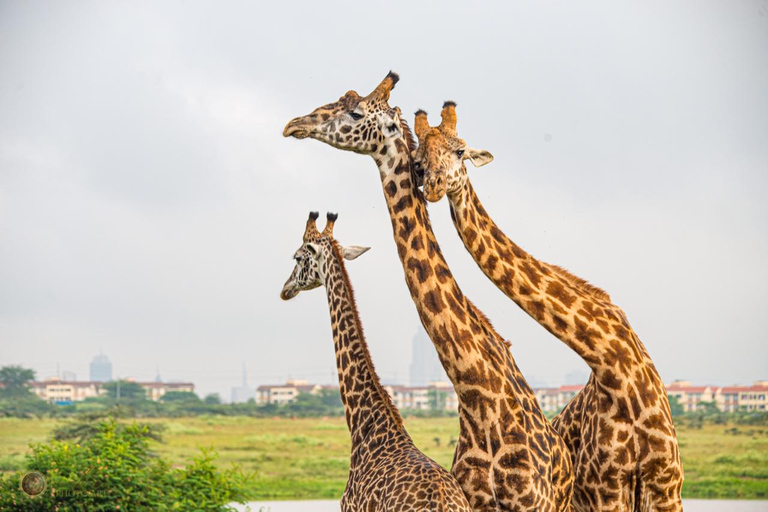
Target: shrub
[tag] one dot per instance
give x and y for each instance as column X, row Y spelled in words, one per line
column 114, row 469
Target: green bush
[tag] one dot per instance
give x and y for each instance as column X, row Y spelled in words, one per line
column 114, row 469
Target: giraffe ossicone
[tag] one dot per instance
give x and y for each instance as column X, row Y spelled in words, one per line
column 387, row 471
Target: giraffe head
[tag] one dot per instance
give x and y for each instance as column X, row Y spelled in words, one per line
column 441, row 154
column 314, row 255
column 352, row 123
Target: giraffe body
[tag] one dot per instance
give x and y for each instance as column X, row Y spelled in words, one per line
column 619, row 428
column 508, row 457
column 387, row 472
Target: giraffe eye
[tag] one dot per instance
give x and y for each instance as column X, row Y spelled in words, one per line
column 460, row 153
column 355, row 116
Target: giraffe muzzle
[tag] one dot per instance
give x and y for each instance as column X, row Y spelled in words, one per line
column 434, row 187
column 289, row 290
column 297, row 128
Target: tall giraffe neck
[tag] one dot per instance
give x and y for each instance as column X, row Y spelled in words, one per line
column 577, row 313
column 367, row 405
column 474, row 356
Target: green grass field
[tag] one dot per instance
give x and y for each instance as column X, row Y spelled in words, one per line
column 308, row 458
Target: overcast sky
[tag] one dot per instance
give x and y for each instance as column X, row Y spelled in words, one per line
column 149, row 205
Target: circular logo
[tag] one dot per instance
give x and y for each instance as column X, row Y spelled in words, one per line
column 33, row 483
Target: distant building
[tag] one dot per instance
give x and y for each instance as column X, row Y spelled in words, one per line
column 282, row 394
column 70, row 376
column 243, row 393
column 727, row 398
column 101, row 369
column 689, row 396
column 746, row 398
column 156, row 390
column 554, row 399
column 425, row 365
column 438, row 394
column 59, row 391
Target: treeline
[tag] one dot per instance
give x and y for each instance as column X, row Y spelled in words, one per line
column 17, row 400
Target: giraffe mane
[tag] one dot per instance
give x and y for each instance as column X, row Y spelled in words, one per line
column 410, row 142
column 338, row 254
column 483, row 318
column 407, row 135
column 582, row 284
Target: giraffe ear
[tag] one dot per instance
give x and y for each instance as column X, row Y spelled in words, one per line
column 351, row 252
column 390, row 126
column 313, row 249
column 479, row 157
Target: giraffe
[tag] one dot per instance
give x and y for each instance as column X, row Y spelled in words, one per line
column 619, row 428
column 508, row 457
column 387, row 471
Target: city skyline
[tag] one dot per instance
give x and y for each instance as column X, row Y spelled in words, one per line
column 228, row 390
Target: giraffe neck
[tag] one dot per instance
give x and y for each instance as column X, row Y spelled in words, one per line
column 580, row 315
column 475, row 358
column 367, row 405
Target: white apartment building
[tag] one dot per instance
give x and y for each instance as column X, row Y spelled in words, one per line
column 554, row 399
column 689, row 396
column 423, row 398
column 282, row 394
column 57, row 391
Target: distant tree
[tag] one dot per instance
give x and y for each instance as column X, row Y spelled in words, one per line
column 436, row 399
column 675, row 406
column 187, row 397
column 212, row 399
column 128, row 390
column 330, row 397
column 708, row 408
column 83, row 427
column 15, row 380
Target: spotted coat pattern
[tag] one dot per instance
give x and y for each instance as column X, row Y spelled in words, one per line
column 508, row 457
column 619, row 428
column 387, row 471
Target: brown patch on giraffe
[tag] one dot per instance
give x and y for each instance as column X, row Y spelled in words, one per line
column 433, row 301
column 443, row 274
column 490, row 263
column 402, row 204
column 558, row 291
column 609, row 380
column 417, row 243
column 531, row 273
column 407, row 225
column 536, row 309
column 559, row 323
